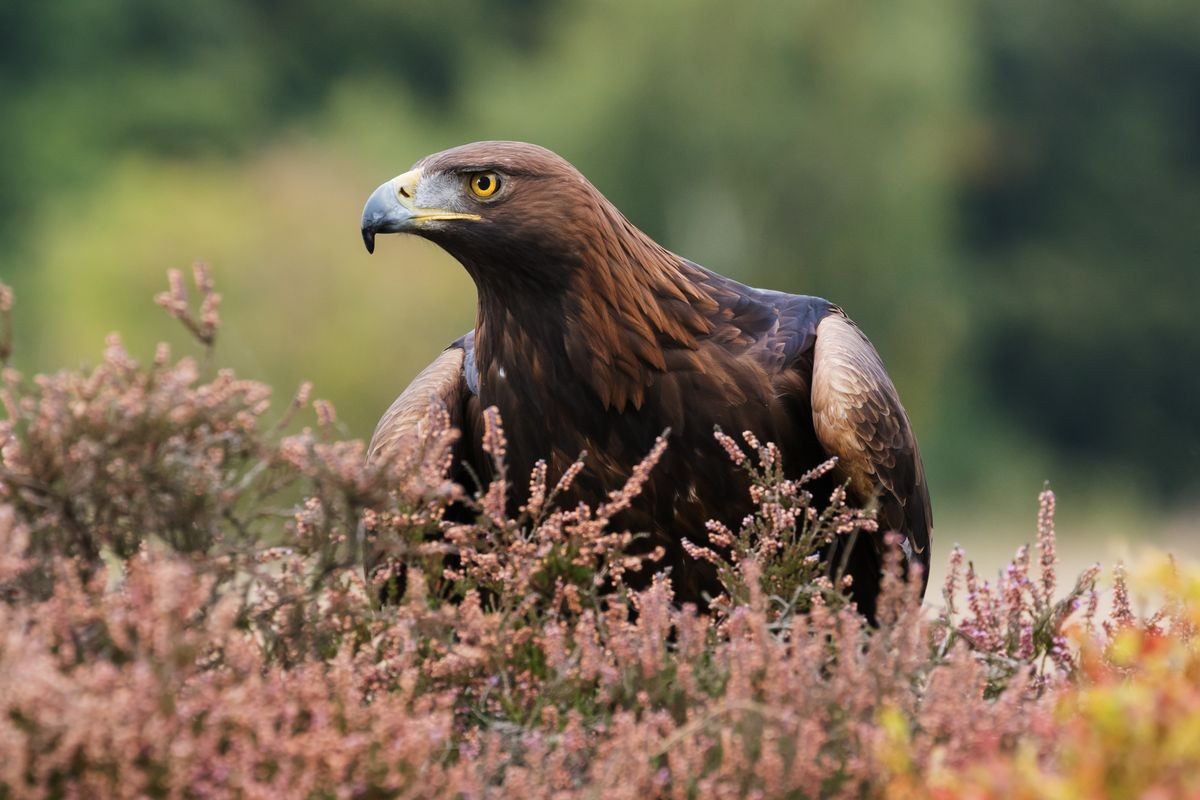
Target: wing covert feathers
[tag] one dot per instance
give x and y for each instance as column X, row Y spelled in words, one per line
column 442, row 382
column 858, row 418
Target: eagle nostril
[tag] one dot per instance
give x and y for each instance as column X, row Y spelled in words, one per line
column 403, row 192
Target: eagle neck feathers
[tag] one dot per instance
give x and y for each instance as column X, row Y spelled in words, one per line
column 625, row 302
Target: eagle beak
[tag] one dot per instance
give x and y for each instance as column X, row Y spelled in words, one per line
column 392, row 208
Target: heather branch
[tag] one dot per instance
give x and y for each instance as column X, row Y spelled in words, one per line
column 6, row 334
column 206, row 322
column 785, row 535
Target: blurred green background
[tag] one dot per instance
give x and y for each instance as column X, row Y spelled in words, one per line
column 1005, row 194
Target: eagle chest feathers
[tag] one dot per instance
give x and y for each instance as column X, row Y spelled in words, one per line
column 592, row 337
column 573, row 392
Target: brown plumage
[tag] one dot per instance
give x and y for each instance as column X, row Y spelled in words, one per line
column 591, row 336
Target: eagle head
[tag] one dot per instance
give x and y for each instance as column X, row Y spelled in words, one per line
column 495, row 205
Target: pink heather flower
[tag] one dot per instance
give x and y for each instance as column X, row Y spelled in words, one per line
column 1045, row 541
column 731, row 447
column 326, row 414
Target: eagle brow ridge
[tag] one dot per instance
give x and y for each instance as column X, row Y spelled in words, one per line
column 490, row 166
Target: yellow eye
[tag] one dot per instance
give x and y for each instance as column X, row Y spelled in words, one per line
column 485, row 184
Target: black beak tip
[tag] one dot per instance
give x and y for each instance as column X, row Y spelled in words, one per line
column 369, row 239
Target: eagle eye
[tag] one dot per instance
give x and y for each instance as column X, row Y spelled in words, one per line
column 484, row 184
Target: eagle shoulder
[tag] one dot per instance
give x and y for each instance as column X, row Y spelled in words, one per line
column 858, row 417
column 446, row 381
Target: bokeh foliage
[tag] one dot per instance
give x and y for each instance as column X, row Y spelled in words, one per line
column 1004, row 194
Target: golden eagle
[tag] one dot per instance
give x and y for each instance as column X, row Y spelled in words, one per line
column 592, row 336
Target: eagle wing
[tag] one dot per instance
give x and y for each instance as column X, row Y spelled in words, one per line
column 450, row 381
column 858, row 417
column 837, row 400
column 447, row 381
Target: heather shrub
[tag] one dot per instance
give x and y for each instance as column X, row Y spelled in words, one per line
column 784, row 537
column 185, row 614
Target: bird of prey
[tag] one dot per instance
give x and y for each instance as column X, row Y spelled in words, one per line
column 590, row 336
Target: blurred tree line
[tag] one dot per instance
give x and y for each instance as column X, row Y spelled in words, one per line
column 1004, row 193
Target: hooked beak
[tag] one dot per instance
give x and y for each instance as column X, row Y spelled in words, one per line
column 392, row 208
